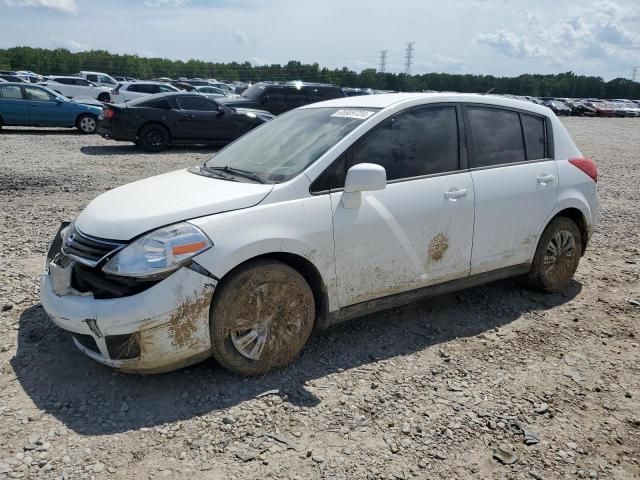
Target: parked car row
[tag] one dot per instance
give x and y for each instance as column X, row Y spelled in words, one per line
column 593, row 107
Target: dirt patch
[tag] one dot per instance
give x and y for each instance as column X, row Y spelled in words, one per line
column 438, row 247
column 183, row 325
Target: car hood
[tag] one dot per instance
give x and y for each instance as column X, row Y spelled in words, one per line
column 263, row 114
column 128, row 211
column 92, row 102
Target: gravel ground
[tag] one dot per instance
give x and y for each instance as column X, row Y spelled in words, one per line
column 549, row 383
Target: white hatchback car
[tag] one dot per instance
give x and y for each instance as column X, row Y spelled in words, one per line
column 327, row 212
column 75, row 87
column 126, row 91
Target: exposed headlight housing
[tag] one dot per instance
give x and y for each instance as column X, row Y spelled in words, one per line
column 159, row 252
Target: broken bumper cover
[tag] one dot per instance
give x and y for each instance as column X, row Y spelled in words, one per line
column 163, row 328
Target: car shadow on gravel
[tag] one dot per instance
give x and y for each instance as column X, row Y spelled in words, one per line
column 39, row 131
column 95, row 400
column 130, row 148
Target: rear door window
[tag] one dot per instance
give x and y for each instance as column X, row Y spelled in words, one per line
column 296, row 97
column 34, row 93
column 534, row 136
column 11, row 92
column 160, row 103
column 496, row 136
column 196, row 103
column 418, row 142
column 92, row 78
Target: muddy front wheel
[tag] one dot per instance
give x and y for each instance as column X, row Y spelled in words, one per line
column 261, row 317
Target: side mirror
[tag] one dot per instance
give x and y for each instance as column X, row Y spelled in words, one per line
column 363, row 177
column 58, row 100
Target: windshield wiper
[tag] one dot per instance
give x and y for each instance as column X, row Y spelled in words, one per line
column 237, row 172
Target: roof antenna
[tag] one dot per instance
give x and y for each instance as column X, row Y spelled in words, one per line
column 489, row 91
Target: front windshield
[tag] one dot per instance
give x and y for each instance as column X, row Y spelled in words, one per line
column 282, row 148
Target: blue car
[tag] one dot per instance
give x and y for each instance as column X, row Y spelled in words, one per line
column 22, row 104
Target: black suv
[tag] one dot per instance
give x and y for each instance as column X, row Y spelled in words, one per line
column 278, row 98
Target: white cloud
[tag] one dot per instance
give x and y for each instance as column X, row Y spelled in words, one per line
column 240, row 37
column 165, row 3
column 67, row 6
column 512, row 44
column 72, row 45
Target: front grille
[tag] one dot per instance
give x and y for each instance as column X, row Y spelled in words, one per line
column 87, row 341
column 94, row 280
column 88, row 250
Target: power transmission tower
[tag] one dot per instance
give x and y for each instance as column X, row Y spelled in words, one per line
column 408, row 57
column 635, row 75
column 383, row 61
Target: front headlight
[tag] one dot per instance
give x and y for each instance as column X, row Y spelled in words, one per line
column 161, row 251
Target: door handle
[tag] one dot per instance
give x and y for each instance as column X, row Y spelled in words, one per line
column 188, row 116
column 544, row 178
column 454, row 194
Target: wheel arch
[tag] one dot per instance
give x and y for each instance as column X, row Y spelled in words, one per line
column 579, row 218
column 305, row 268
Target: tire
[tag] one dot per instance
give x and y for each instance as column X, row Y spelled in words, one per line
column 261, row 317
column 87, row 123
column 552, row 272
column 154, row 137
column 104, row 97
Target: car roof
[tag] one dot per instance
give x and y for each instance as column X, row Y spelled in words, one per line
column 144, row 82
column 386, row 100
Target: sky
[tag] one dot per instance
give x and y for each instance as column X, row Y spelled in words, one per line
column 496, row 37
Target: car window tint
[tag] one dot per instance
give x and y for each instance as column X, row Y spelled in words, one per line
column 274, row 95
column 104, row 79
column 64, row 81
column 11, row 91
column 196, row 103
column 38, row 94
column 497, row 136
column 160, row 103
column 419, row 142
column 92, row 78
column 82, row 82
column 534, row 137
column 296, row 97
column 164, row 88
column 333, row 177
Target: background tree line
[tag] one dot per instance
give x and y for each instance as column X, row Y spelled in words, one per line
column 62, row 61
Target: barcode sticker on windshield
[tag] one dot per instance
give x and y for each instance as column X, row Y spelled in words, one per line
column 359, row 114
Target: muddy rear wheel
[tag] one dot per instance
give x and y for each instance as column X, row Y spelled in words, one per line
column 261, row 317
column 557, row 256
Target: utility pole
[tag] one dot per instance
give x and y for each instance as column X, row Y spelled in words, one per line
column 635, row 75
column 383, row 61
column 408, row 57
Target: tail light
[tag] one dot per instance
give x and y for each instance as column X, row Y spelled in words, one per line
column 109, row 113
column 587, row 165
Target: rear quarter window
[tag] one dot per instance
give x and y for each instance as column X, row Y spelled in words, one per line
column 534, row 136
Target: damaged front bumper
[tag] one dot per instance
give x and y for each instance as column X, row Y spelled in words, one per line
column 162, row 328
